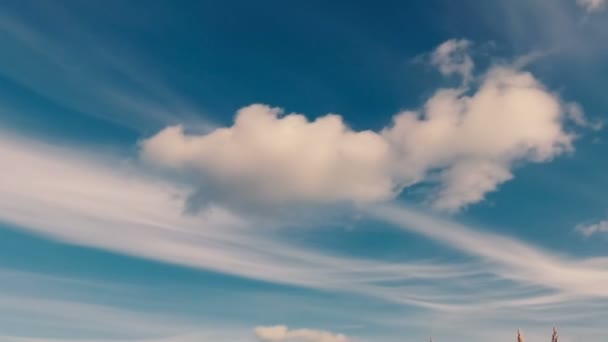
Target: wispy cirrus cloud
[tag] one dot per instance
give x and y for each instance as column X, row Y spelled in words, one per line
column 38, row 314
column 588, row 230
column 512, row 259
column 68, row 195
column 592, row 5
column 56, row 192
column 70, row 307
column 96, row 80
column 452, row 57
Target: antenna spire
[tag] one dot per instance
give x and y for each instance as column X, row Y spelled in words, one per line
column 520, row 337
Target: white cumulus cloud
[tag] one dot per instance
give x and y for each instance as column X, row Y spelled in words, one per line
column 474, row 140
column 281, row 333
column 282, row 157
column 465, row 142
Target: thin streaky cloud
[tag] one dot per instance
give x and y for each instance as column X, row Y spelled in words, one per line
column 125, row 212
column 87, row 203
column 510, row 258
column 137, row 102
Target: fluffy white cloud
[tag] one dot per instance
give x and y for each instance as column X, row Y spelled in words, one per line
column 592, row 5
column 473, row 141
column 275, row 157
column 468, row 181
column 466, row 142
column 588, row 230
column 452, row 57
column 282, row 333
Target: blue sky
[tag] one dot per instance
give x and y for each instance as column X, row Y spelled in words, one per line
column 180, row 171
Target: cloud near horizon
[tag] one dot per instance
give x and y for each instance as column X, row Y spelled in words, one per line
column 464, row 142
column 281, row 333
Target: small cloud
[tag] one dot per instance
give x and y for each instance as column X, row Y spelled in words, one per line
column 575, row 113
column 588, row 230
column 452, row 57
column 281, row 333
column 592, row 5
